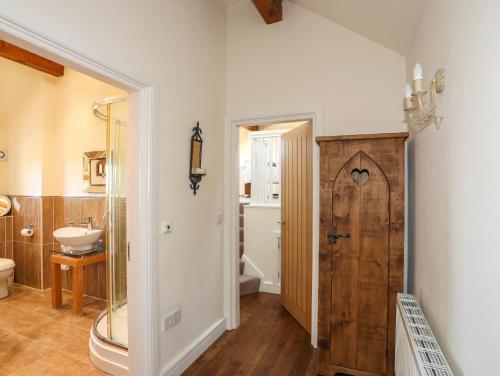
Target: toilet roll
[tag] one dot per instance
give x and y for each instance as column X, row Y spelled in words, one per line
column 27, row 232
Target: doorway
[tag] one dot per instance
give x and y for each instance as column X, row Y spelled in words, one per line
column 299, row 302
column 140, row 273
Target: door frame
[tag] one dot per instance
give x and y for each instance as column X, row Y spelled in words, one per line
column 231, row 207
column 142, row 112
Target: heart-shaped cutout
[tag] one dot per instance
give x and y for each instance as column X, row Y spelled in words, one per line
column 360, row 177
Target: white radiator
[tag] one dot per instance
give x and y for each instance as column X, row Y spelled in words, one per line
column 417, row 350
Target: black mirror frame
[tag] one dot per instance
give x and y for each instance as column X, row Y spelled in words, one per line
column 195, row 178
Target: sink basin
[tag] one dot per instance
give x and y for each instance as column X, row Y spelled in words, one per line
column 77, row 238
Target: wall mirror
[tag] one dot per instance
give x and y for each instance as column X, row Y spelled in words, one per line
column 94, row 171
column 196, row 172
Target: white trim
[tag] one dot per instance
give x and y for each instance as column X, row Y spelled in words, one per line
column 251, row 268
column 270, row 288
column 108, row 358
column 268, row 205
column 24, row 35
column 192, row 352
column 266, row 134
column 231, row 207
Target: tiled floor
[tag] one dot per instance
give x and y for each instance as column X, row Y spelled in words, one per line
column 37, row 340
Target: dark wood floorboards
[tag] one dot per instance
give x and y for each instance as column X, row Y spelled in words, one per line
column 268, row 342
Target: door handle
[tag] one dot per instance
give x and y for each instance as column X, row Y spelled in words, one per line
column 333, row 236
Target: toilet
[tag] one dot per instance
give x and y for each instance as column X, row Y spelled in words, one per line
column 6, row 272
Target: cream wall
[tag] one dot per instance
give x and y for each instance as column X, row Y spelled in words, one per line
column 46, row 124
column 308, row 61
column 259, row 226
column 180, row 46
column 71, row 129
column 454, row 173
column 21, row 128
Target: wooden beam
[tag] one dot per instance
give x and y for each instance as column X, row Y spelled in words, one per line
column 251, row 128
column 22, row 56
column 270, row 10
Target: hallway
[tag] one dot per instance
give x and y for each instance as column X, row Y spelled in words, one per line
column 268, row 342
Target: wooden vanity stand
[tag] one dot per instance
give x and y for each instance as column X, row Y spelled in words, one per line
column 77, row 263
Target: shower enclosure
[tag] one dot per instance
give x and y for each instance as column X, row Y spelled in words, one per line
column 111, row 327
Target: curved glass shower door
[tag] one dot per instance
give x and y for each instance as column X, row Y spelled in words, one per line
column 117, row 325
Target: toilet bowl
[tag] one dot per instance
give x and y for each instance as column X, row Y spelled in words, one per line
column 6, row 272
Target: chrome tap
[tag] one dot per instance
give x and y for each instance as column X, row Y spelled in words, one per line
column 89, row 223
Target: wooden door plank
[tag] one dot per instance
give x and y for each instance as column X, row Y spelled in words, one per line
column 373, row 270
column 345, row 267
column 297, row 211
column 388, row 152
column 22, row 56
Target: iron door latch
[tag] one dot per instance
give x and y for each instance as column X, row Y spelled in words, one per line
column 333, row 236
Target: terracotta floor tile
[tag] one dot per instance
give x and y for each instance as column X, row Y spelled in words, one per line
column 78, row 348
column 37, row 340
column 54, row 364
column 84, row 369
column 21, row 353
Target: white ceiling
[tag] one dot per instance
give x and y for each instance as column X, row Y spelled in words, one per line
column 391, row 23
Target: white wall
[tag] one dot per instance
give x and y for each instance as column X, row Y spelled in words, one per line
column 259, row 225
column 456, row 181
column 306, row 61
column 180, row 46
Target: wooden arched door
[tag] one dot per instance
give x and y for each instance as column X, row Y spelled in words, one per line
column 360, row 242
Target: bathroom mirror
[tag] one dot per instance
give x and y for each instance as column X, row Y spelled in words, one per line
column 5, row 205
column 195, row 170
column 94, row 171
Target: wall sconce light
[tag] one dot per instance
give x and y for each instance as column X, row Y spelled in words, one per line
column 195, row 170
column 420, row 112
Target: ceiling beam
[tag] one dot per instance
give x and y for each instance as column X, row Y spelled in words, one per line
column 270, row 10
column 21, row 56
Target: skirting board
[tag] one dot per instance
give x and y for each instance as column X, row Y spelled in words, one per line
column 188, row 356
column 270, row 288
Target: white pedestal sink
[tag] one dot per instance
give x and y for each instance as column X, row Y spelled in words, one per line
column 77, row 240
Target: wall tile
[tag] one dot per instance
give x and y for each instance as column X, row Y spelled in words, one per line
column 89, row 208
column 19, row 257
column 9, row 253
column 2, row 229
column 2, row 250
column 91, row 280
column 32, row 218
column 72, row 210
column 8, row 229
column 33, row 272
column 32, row 255
column 58, row 212
column 102, row 293
column 46, row 252
column 47, row 220
column 18, row 211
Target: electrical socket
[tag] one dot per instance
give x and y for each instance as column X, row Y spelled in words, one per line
column 171, row 320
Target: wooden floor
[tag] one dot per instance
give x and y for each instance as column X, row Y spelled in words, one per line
column 268, row 342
